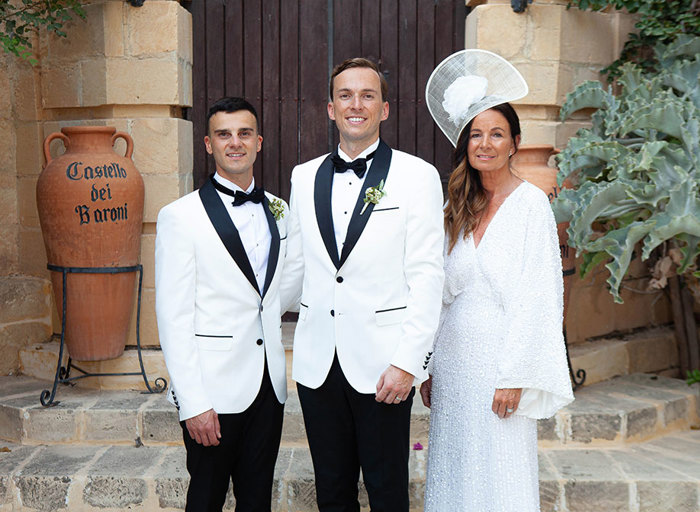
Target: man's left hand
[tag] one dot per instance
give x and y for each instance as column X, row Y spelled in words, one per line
column 394, row 385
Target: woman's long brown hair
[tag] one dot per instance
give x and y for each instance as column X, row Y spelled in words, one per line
column 466, row 196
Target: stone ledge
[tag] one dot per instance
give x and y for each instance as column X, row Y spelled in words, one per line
column 656, row 476
column 621, row 411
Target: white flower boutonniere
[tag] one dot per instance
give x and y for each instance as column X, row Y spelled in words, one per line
column 276, row 206
column 373, row 195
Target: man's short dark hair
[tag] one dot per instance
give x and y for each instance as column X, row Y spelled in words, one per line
column 358, row 62
column 229, row 105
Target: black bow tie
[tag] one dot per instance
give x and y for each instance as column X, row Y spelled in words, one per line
column 239, row 197
column 358, row 166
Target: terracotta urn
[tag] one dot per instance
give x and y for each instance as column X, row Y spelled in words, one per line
column 530, row 163
column 90, row 202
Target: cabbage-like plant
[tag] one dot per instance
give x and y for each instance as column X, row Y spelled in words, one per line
column 636, row 171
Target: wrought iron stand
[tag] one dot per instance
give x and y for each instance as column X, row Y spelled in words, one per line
column 63, row 372
column 579, row 377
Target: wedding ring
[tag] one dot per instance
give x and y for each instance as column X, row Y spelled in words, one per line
column 397, row 399
column 509, row 410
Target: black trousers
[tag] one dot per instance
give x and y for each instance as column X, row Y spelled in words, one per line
column 347, row 431
column 246, row 454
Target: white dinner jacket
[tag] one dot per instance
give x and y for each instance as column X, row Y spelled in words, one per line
column 378, row 303
column 214, row 325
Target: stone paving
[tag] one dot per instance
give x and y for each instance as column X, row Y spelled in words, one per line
column 624, row 445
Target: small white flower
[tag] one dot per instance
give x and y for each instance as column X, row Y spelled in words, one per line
column 462, row 94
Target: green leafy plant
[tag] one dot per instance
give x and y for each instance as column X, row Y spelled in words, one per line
column 20, row 18
column 693, row 377
column 658, row 22
column 636, row 171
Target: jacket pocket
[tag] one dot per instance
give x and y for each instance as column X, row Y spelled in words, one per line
column 303, row 310
column 214, row 342
column 390, row 316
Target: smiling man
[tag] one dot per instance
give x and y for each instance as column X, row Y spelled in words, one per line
column 219, row 254
column 365, row 263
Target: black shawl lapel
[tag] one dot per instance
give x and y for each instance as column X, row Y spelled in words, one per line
column 376, row 173
column 274, row 246
column 226, row 230
column 322, row 204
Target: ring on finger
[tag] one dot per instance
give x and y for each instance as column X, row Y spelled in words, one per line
column 397, row 399
column 509, row 410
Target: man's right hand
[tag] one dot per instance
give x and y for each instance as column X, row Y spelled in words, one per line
column 204, row 428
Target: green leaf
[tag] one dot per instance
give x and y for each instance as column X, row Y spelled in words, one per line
column 589, row 94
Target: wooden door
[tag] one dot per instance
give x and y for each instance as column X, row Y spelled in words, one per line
column 279, row 54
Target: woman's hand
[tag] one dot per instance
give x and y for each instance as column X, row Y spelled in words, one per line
column 505, row 401
column 425, row 390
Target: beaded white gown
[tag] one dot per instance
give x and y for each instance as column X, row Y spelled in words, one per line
column 501, row 327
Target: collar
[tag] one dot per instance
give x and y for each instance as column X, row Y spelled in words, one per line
column 363, row 154
column 231, row 185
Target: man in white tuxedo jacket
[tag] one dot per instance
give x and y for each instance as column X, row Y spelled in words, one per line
column 219, row 255
column 365, row 255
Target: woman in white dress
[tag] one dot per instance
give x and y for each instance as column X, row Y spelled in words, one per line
column 499, row 359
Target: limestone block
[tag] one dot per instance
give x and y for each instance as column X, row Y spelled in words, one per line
column 148, row 80
column 543, row 81
column 14, row 337
column 6, row 88
column 26, row 199
column 595, row 495
column 23, row 298
column 153, row 29
column 160, row 190
column 161, row 425
column 654, row 351
column 663, row 495
column 506, row 43
column 545, row 31
column 7, row 147
column 93, row 75
column 601, row 360
column 590, row 37
column 25, row 90
column 113, row 22
column 60, row 85
column 8, row 204
column 85, row 37
column 32, row 252
column 29, row 159
column 184, row 34
column 162, row 145
column 538, row 132
column 9, row 251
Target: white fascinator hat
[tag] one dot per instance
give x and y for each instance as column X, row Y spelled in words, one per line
column 468, row 82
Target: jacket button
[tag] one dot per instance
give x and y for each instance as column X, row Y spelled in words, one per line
column 332, row 312
column 259, row 342
column 339, row 279
column 261, row 308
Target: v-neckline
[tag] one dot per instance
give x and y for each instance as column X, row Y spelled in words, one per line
column 476, row 246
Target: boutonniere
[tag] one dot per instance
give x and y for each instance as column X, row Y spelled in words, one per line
column 276, row 206
column 373, row 195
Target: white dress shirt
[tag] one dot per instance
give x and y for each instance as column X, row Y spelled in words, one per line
column 251, row 223
column 346, row 189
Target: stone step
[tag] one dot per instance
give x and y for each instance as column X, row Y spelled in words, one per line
column 625, row 409
column 661, row 475
column 649, row 351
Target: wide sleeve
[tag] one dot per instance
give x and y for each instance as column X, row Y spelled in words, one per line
column 534, row 354
column 175, row 305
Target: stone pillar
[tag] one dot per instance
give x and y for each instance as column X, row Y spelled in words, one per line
column 128, row 67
